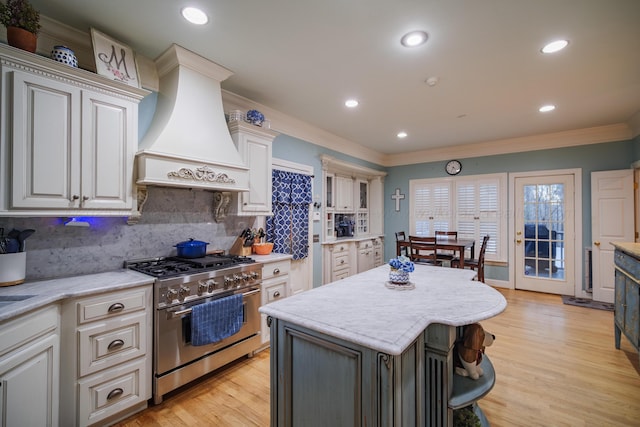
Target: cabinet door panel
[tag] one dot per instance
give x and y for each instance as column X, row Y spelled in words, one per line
column 45, row 143
column 632, row 312
column 29, row 384
column 259, row 197
column 107, row 152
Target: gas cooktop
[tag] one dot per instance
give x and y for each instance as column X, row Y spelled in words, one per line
column 165, row 267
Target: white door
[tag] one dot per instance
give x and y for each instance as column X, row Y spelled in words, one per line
column 301, row 275
column 544, row 233
column 611, row 220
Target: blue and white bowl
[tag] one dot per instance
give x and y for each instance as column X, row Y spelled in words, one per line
column 65, row 55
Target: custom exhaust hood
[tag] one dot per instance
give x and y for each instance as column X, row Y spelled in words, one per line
column 188, row 143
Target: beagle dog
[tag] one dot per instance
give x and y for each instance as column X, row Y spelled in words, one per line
column 468, row 351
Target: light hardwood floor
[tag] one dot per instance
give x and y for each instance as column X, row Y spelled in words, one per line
column 556, row 365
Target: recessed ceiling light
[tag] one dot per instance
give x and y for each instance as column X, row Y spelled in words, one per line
column 402, row 135
column 195, row 15
column 554, row 46
column 351, row 103
column 547, row 108
column 414, row 38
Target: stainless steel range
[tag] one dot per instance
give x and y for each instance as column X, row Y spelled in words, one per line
column 182, row 283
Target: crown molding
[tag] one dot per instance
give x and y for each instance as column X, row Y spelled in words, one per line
column 296, row 128
column 571, row 138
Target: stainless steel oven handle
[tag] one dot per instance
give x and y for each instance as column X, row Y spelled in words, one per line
column 188, row 310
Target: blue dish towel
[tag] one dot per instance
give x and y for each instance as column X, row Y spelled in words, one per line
column 216, row 320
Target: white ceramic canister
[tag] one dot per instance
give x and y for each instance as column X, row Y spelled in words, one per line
column 65, row 55
column 12, row 268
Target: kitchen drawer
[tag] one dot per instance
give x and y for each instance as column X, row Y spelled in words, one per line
column 21, row 330
column 340, row 261
column 276, row 292
column 111, row 305
column 275, row 269
column 340, row 249
column 111, row 391
column 340, row 274
column 110, row 342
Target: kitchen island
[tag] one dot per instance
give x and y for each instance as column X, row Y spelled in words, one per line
column 356, row 353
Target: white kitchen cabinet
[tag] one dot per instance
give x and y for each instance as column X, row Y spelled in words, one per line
column 254, row 144
column 365, row 255
column 342, row 261
column 106, row 356
column 352, row 190
column 275, row 286
column 378, row 252
column 29, row 369
column 68, row 139
column 344, row 194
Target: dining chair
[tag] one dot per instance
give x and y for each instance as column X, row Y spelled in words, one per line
column 401, row 237
column 445, row 255
column 424, row 250
column 475, row 264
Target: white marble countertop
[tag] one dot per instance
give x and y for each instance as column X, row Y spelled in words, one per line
column 50, row 291
column 362, row 310
column 272, row 257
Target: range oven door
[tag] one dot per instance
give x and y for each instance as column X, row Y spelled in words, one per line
column 173, row 331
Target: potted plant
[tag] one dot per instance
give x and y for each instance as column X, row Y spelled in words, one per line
column 22, row 22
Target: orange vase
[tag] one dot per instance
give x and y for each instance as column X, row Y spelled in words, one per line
column 22, row 39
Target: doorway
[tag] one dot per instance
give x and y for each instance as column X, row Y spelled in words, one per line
column 545, row 255
column 611, row 221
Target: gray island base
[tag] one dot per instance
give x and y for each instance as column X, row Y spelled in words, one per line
column 356, row 353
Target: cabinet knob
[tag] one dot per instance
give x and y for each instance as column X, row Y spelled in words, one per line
column 117, row 392
column 276, row 271
column 276, row 294
column 116, row 307
column 115, row 344
column 74, row 197
column 596, row 243
column 85, row 198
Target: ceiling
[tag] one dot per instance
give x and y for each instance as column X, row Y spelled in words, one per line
column 305, row 58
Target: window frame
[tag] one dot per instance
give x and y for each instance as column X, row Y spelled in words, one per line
column 498, row 252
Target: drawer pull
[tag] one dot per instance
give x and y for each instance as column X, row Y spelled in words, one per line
column 276, row 271
column 117, row 392
column 115, row 344
column 276, row 294
column 116, row 307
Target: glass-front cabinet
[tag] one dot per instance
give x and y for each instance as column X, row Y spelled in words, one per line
column 349, row 206
column 363, row 192
column 329, row 190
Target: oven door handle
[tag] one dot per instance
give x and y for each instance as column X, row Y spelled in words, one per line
column 188, row 310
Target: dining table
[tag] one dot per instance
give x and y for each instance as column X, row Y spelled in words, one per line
column 444, row 243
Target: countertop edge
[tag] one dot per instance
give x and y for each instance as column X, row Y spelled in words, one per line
column 361, row 310
column 631, row 248
column 51, row 291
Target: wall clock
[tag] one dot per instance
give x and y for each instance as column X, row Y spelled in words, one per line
column 453, row 167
